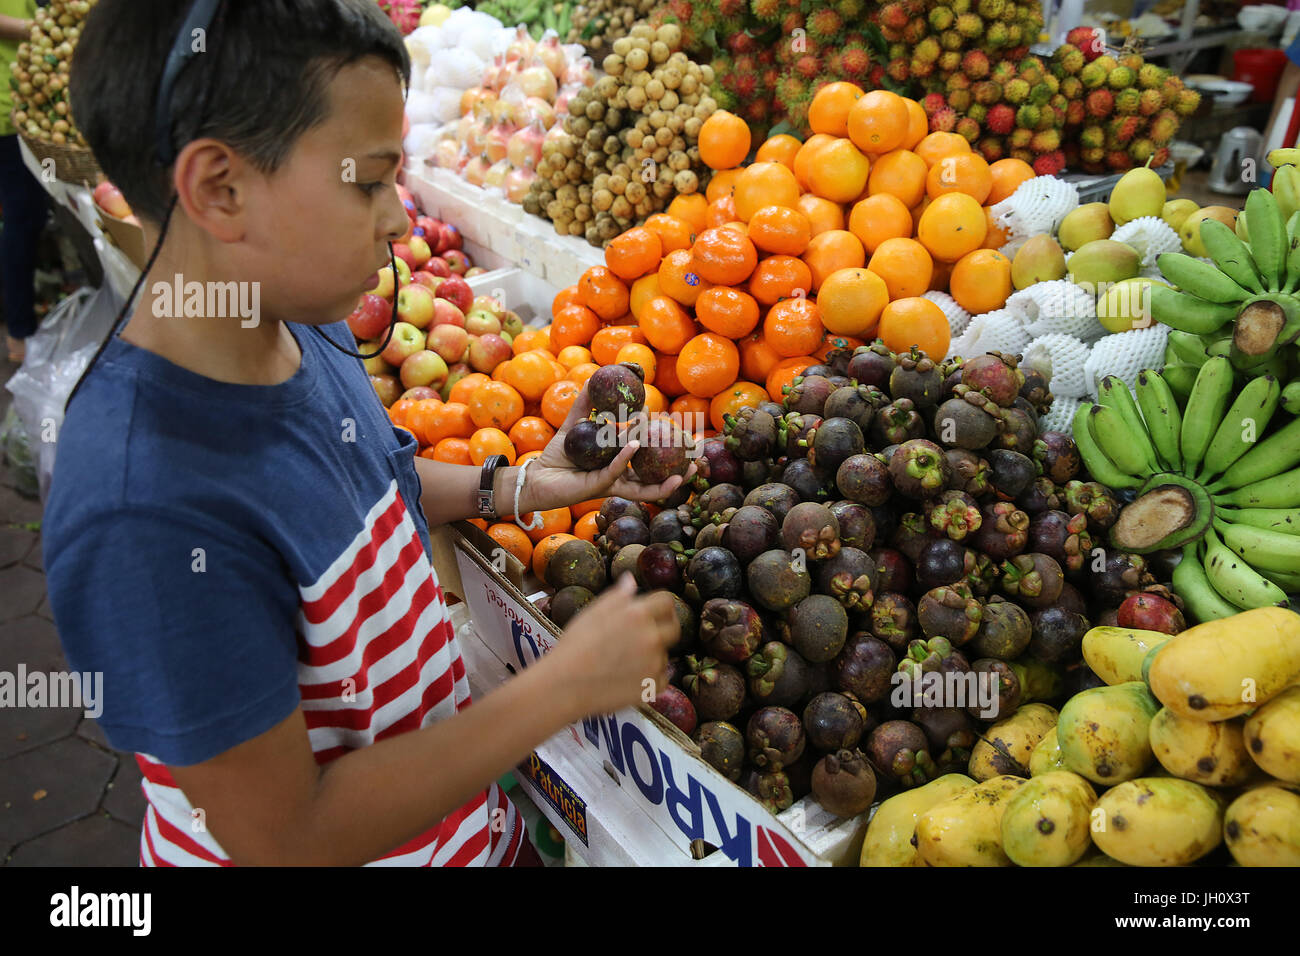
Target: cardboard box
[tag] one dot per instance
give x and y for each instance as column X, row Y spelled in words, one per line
column 646, row 761
column 127, row 236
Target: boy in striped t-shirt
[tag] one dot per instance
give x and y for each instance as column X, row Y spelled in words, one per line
column 236, row 536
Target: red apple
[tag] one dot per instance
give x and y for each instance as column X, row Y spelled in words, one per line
column 386, row 387
column 403, row 273
column 370, row 318
column 376, row 365
column 457, row 261
column 421, row 392
column 456, row 291
column 487, row 352
column 420, row 251
column 444, row 313
column 479, row 322
column 429, row 227
column 423, row 368
column 449, row 238
column 385, row 287
column 428, row 280
column 512, row 323
column 449, row 341
column 473, row 271
column 404, row 253
column 110, row 199
column 415, row 305
column 487, row 303
column 406, row 341
column 437, row 266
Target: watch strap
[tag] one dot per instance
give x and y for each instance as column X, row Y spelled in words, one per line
column 485, row 498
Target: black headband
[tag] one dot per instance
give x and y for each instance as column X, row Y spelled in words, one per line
column 202, row 14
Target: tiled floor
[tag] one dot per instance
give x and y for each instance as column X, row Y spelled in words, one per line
column 66, row 797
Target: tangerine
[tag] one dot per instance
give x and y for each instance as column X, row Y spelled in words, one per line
column 463, row 389
column 823, row 215
column 831, row 251
column 850, row 302
column 666, row 380
column 937, row 145
column 397, row 411
column 557, row 401
column 512, row 538
column 655, row 401
column 764, row 184
column 586, row 528
column 603, row 292
column 580, row 373
column 793, row 327
column 967, row 173
column 951, row 226
column 572, row 325
column 723, row 256
column 1007, row 176
column 878, row 122
column 905, row 265
column 723, row 140
column 572, row 355
column 531, row 338
column 667, row 326
column 757, row 358
column 569, row 295
column 487, row 442
column 707, row 364
column 900, row 173
column 727, row 311
column 780, row 229
column 586, row 507
column 634, row 254
column 732, row 399
column 532, row 373
column 454, row 451
column 606, row 343
column 829, row 110
column 638, row 354
column 803, row 160
column 421, row 417
column 839, row 171
column 531, row 433
column 918, row 124
column 880, row 217
column 915, row 321
column 779, row 277
column 673, row 233
column 781, row 148
column 784, row 373
column 690, row 210
column 496, row 405
column 691, row 411
column 678, row 279
column 643, row 290
column 981, row 281
column 996, row 235
column 448, row 420
column 721, row 211
column 721, row 186
column 545, row 547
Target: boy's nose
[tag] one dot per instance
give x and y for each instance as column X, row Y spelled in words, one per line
column 394, row 220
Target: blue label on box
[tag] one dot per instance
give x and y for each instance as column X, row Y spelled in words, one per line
column 571, row 807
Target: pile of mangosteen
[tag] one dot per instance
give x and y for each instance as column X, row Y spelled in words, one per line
column 891, row 516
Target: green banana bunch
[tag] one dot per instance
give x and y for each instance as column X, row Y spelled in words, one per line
column 1286, row 181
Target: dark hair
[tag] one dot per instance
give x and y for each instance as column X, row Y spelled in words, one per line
column 258, row 87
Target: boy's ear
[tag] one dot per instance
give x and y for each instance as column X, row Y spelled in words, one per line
column 207, row 177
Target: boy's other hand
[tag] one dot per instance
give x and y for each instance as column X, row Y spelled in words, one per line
column 555, row 482
column 614, row 646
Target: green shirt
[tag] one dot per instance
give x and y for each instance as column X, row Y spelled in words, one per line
column 22, row 10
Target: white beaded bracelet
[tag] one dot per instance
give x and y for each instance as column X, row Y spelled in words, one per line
column 537, row 520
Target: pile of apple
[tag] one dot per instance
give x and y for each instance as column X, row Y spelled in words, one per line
column 443, row 332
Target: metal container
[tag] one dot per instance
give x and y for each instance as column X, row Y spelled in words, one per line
column 1235, row 165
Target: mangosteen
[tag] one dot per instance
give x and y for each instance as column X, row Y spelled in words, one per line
column 717, row 504
column 838, row 358
column 615, row 508
column 864, row 668
column 818, row 626
column 893, row 619
column 751, row 434
column 1064, row 537
column 722, row 747
column 1010, row 473
column 686, row 625
column 591, row 445
column 934, row 655
column 899, row 751
column 716, row 464
column 825, row 371
column 1057, row 635
column 943, row 561
column 1019, row 431
column 774, row 737
column 617, row 390
column 951, row 734
column 622, row 532
column 755, row 473
column 663, row 451
column 730, row 630
column 777, row 581
column 1072, row 600
column 919, row 469
column 833, row 721
column 950, row 369
column 893, row 568
column 850, row 578
column 1035, row 390
column 812, row 528
column 857, row 403
column 805, row 481
column 886, row 522
column 676, row 708
column 667, row 526
column 954, row 513
column 872, row 365
column 795, row 433
column 857, row 525
column 865, row 479
column 981, row 573
column 776, row 497
column 751, row 531
column 713, row 573
column 1151, row 612
column 1042, row 495
column 659, row 567
column 1059, row 456
column 710, row 536
column 913, row 535
column 772, row 790
column 1010, row 693
column 969, row 420
column 970, row 472
column 844, row 783
column 808, row 394
column 1123, row 574
column 1033, row 579
column 543, row 605
column 1004, row 631
column 717, row 690
column 778, row 675
column 624, row 561
column 567, row 602
column 897, row 422
column 1003, row 531
column 833, row 442
column 916, row 377
column 1093, row 499
column 995, row 374
column 576, row 562
column 950, row 612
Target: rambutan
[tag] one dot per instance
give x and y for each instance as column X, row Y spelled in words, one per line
column 1092, row 137
column 1150, row 77
column 1018, row 53
column 1119, row 160
column 1087, row 41
column 943, row 120
column 978, row 112
column 986, row 92
column 1122, row 129
column 959, row 6
column 1072, row 88
column 1001, row 119
column 1040, row 94
column 991, row 9
column 1028, row 116
column 949, row 61
column 1031, row 70
column 744, row 64
column 1093, row 157
column 960, row 100
column 1020, row 138
column 1164, row 126
column 824, row 24
column 1024, row 154
column 899, row 51
column 1120, row 78
column 969, row 25
column 1015, row 34
column 731, row 8
column 1015, row 91
column 951, row 41
column 1150, row 102
column 1075, row 113
column 894, row 16
column 808, row 66
column 941, row 18
column 1127, row 101
column 1141, row 150
column 1187, row 102
column 921, row 69
column 1107, row 62
column 991, row 148
column 915, row 31
column 1100, row 103
column 1058, row 102
column 898, row 70
column 769, row 11
column 996, row 36
column 855, row 61
column 1071, row 58
column 968, row 129
column 1045, row 141
column 791, row 88
column 876, row 76
column 1003, row 71
column 1159, row 157
column 1049, row 164
column 850, row 10
column 1133, row 61
column 933, row 102
column 1093, row 76
column 1170, row 88
column 975, row 64
column 794, row 20
column 928, row 50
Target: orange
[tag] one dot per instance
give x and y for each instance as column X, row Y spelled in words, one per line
column 780, row 229
column 531, row 433
column 905, row 265
column 643, row 290
column 454, row 451
column 967, row 173
column 580, row 373
column 830, row 251
column 691, row 412
column 722, row 185
column 545, row 547
column 793, row 327
column 951, row 226
column 880, row 217
column 569, row 295
column 1007, row 175
column 707, row 364
column 785, row 372
column 634, row 253
column 673, row 233
column 572, row 355
column 420, row 417
column 781, row 148
column 690, row 210
column 732, row 399
column 808, row 152
column 935, row 146
column 512, row 538
column 487, row 442
column 641, row 355
column 723, row 257
column 448, row 420
column 823, row 215
column 757, row 358
column 586, row 507
column 654, row 400
column 530, row 339
column 901, row 173
column 727, row 311
column 666, row 380
column 724, row 140
column 557, row 401
column 915, row 321
column 779, row 277
column 573, row 325
column 839, row 171
column 585, row 527
column 764, row 184
column 532, row 373
column 555, row 521
column 603, row 292
column 878, row 122
column 981, row 281
column 496, row 405
column 721, row 211
column 606, row 343
column 918, row 124
column 850, row 301
column 995, row 236
column 829, row 110
column 666, row 325
column 736, row 226
column 397, row 411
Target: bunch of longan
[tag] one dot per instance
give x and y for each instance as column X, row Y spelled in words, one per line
column 598, row 23
column 39, row 74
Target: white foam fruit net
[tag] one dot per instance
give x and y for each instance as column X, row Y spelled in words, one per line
column 1037, row 206
column 998, row 331
column 1125, row 354
column 1150, row 236
column 1061, row 358
column 1057, row 307
column 1060, row 417
column 958, row 318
